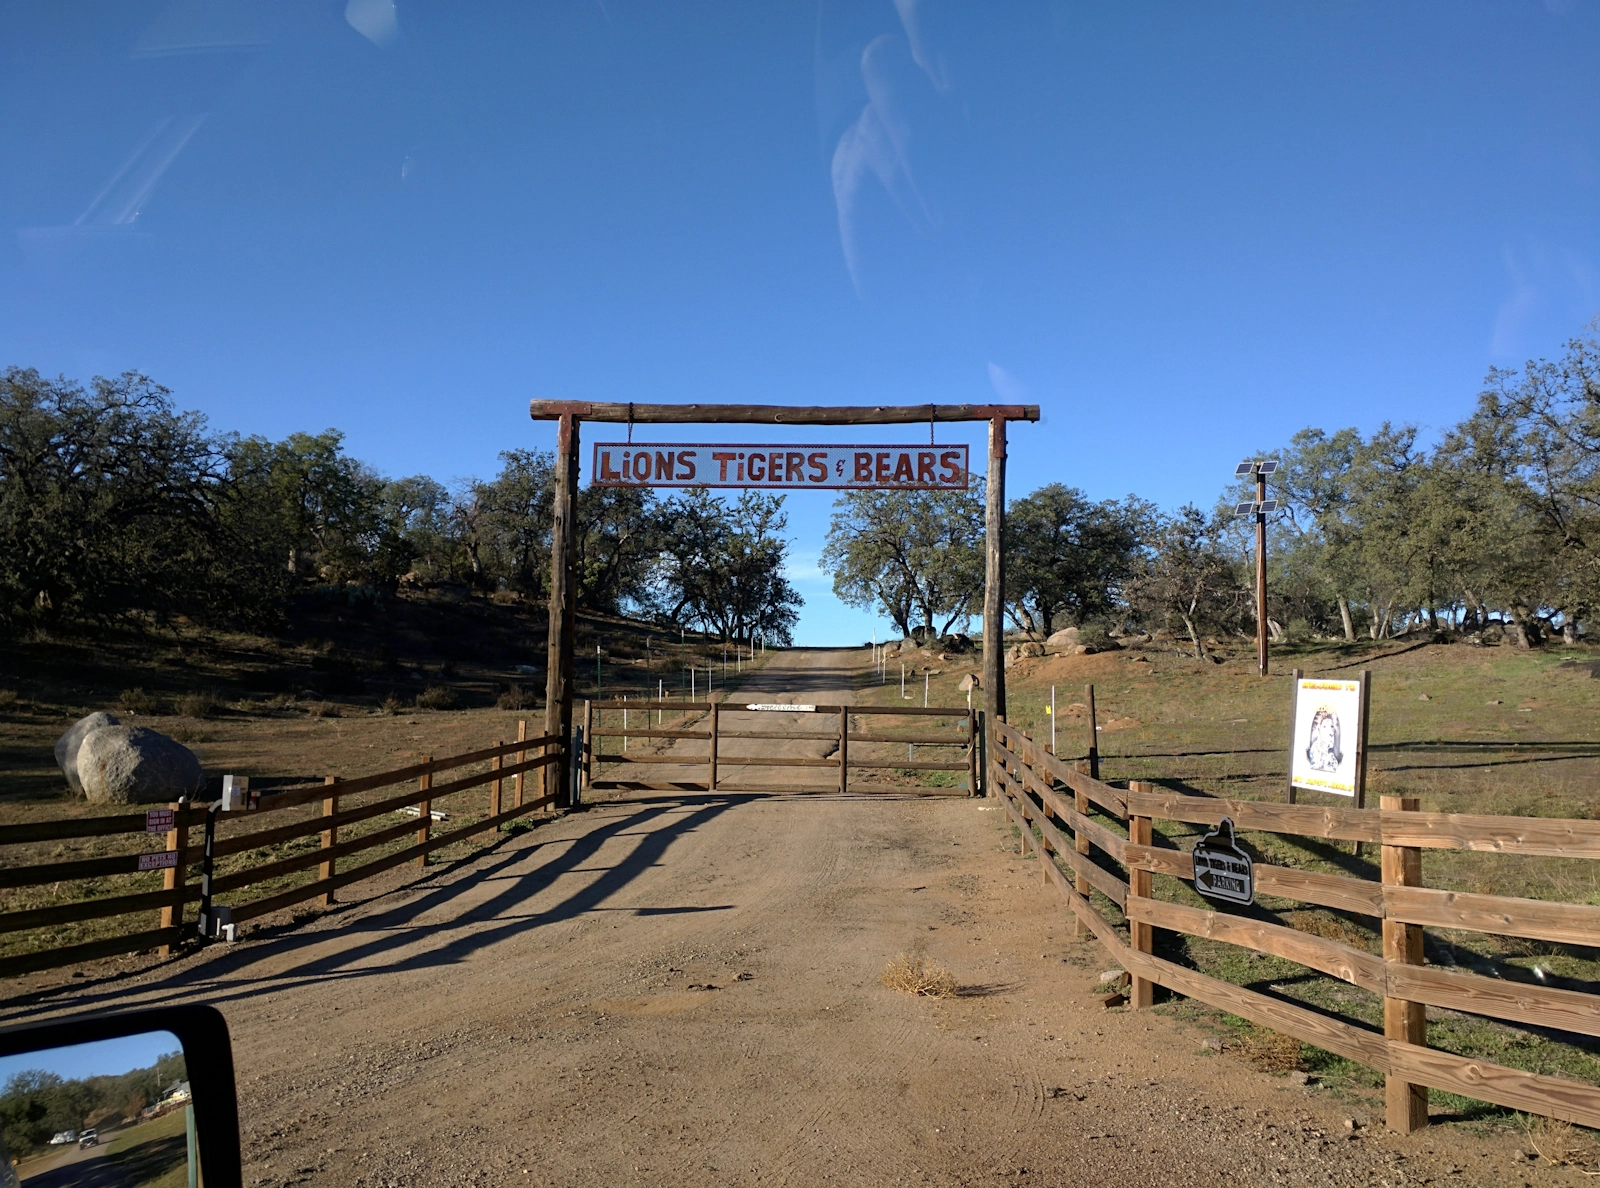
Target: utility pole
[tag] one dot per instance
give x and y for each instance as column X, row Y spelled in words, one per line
column 1259, row 507
column 1261, row 573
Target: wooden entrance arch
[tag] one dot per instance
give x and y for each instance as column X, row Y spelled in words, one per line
column 563, row 610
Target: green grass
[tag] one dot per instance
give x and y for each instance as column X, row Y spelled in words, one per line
column 153, row 1154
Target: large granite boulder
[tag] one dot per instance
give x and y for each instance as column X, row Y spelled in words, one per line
column 67, row 745
column 1063, row 641
column 136, row 765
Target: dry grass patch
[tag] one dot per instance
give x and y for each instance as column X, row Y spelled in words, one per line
column 1558, row 1143
column 918, row 975
column 1270, row 1050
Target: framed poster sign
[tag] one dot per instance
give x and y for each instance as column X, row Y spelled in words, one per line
column 1326, row 752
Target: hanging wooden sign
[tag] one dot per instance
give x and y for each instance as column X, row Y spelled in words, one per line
column 781, row 467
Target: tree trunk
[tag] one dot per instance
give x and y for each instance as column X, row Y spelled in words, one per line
column 1194, row 638
column 1522, row 631
column 1569, row 631
column 1349, row 624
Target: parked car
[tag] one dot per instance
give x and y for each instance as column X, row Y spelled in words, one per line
column 65, row 1136
column 89, row 1138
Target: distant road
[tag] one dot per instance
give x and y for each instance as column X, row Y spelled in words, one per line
column 88, row 1168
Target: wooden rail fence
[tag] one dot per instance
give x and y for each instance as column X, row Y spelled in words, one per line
column 615, row 720
column 341, row 805
column 1069, row 818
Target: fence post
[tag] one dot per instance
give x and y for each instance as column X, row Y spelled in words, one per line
column 1080, row 883
column 1403, row 1022
column 330, row 838
column 1094, row 736
column 711, row 781
column 844, row 749
column 522, row 755
column 1140, row 936
column 424, row 811
column 495, row 764
column 1294, row 701
column 173, row 876
column 991, row 759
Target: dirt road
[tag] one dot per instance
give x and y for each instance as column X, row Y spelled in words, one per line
column 683, row 990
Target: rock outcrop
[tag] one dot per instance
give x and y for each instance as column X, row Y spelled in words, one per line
column 67, row 745
column 136, row 765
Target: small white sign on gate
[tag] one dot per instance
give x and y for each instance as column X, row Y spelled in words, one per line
column 787, row 709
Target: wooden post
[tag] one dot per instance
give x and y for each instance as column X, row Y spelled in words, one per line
column 1361, row 748
column 1294, row 702
column 1361, row 739
column 994, row 588
column 1094, row 736
column 1403, row 1022
column 330, row 837
column 1140, row 936
column 495, row 764
column 563, row 622
column 522, row 755
column 172, row 878
column 1080, row 881
column 424, row 811
column 1261, row 572
column 844, row 749
column 711, row 781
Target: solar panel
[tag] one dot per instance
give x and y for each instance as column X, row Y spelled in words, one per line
column 1266, row 467
column 1247, row 508
column 1269, row 505
column 1243, row 469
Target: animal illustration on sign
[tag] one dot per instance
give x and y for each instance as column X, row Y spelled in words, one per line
column 1221, row 869
column 1323, row 750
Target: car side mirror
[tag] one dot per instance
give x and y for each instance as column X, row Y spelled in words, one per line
column 131, row 1097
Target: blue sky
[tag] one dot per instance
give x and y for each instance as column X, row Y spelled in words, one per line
column 1185, row 231
column 103, row 1058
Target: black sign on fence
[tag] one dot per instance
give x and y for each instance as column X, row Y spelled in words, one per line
column 1221, row 869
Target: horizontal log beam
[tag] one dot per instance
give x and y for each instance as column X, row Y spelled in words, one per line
column 898, row 764
column 239, row 843
column 1335, row 891
column 778, row 414
column 1555, row 1097
column 21, row 963
column 1098, row 791
column 1540, row 837
column 88, row 909
column 650, row 733
column 1330, row 957
column 1306, row 820
column 294, row 895
column 1113, row 888
column 1535, row 919
column 107, row 826
column 318, row 791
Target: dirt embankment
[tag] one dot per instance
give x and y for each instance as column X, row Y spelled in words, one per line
column 673, row 990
